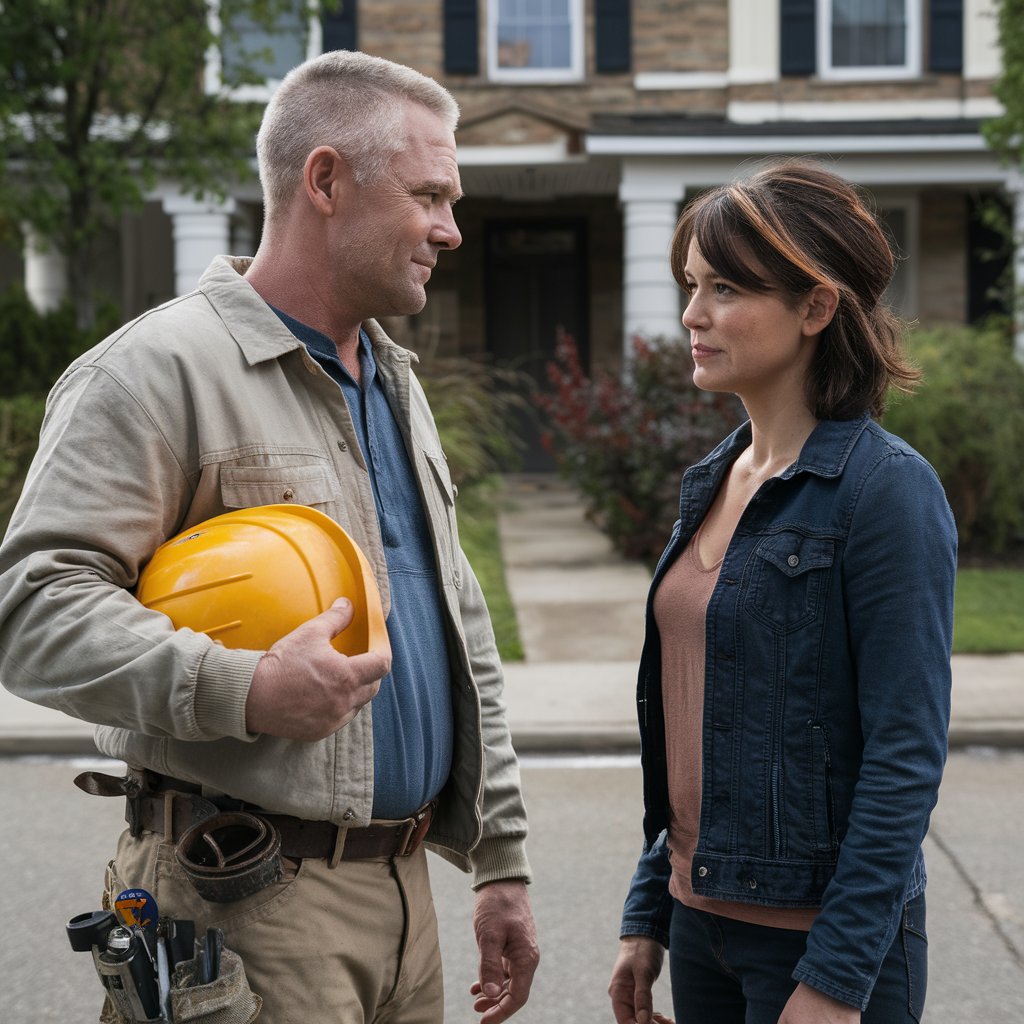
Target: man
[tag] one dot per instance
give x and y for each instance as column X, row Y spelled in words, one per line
column 273, row 383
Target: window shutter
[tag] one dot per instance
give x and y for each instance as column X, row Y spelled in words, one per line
column 461, row 48
column 338, row 26
column 946, row 35
column 797, row 37
column 612, row 36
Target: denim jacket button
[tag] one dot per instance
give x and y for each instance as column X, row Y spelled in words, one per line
column 752, row 882
column 793, row 561
column 702, row 871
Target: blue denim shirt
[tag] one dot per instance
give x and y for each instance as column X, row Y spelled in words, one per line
column 827, row 693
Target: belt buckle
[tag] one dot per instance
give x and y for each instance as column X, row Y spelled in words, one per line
column 414, row 831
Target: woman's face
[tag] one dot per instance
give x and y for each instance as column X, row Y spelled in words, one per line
column 753, row 344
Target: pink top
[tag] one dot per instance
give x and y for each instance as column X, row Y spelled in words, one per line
column 680, row 611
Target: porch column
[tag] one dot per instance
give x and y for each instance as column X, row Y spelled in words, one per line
column 650, row 198
column 201, row 230
column 1015, row 185
column 46, row 274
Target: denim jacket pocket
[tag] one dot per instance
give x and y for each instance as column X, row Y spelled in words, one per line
column 788, row 578
column 822, row 809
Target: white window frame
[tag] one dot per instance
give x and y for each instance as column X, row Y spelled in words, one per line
column 534, row 76
column 909, row 259
column 213, row 81
column 910, row 68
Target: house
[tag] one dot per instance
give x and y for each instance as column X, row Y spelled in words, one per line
column 587, row 123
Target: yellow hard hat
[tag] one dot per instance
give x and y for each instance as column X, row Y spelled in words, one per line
column 246, row 578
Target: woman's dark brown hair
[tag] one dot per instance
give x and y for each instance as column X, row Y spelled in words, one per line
column 794, row 225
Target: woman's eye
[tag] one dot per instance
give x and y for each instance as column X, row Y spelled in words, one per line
column 722, row 289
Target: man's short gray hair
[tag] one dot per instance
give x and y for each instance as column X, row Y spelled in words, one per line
column 347, row 100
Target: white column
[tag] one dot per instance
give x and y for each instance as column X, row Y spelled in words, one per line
column 46, row 273
column 1015, row 184
column 753, row 41
column 202, row 230
column 650, row 198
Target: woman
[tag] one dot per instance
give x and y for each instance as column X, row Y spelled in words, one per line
column 794, row 684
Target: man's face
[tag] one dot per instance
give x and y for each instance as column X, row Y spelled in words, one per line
column 391, row 234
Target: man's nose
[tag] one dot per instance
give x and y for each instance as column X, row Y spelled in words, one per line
column 446, row 233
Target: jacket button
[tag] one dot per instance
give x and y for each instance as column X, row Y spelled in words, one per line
column 288, row 494
column 702, row 871
column 348, row 815
column 343, row 446
column 793, row 560
column 752, row 882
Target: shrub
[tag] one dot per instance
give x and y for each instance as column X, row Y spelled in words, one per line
column 967, row 419
column 20, row 419
column 473, row 403
column 35, row 347
column 625, row 442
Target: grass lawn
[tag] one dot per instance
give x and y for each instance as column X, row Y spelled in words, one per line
column 989, row 611
column 478, row 531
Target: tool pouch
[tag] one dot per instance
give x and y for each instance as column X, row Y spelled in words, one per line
column 225, row 1000
column 230, row 856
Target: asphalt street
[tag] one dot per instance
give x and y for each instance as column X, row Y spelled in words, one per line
column 584, row 840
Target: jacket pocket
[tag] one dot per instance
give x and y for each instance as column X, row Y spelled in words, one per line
column 789, row 575
column 248, row 486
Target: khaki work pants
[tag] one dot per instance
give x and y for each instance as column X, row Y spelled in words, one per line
column 355, row 944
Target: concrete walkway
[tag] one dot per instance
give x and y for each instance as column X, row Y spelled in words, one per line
column 581, row 610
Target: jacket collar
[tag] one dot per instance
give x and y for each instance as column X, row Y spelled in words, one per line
column 257, row 329
column 824, row 453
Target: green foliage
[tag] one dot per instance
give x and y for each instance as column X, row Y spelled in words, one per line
column 967, row 419
column 478, row 532
column 1005, row 134
column 989, row 611
column 100, row 97
column 20, row 419
column 35, row 347
column 625, row 442
column 473, row 404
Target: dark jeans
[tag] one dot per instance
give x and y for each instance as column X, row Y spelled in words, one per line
column 731, row 972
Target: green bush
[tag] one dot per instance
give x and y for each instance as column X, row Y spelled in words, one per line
column 967, row 419
column 473, row 404
column 20, row 419
column 625, row 442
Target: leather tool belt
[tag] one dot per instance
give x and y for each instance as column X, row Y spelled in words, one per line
column 230, row 849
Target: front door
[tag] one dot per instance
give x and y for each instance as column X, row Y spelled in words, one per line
column 536, row 288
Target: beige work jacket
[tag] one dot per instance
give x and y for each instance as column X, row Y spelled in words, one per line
column 206, row 404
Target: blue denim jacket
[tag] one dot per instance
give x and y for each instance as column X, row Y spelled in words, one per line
column 827, row 693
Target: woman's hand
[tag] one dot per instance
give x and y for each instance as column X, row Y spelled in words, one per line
column 636, row 969
column 809, row 1006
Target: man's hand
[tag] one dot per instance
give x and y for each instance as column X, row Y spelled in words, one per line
column 809, row 1006
column 507, row 938
column 304, row 689
column 636, row 970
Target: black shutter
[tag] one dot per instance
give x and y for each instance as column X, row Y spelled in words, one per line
column 612, row 36
column 946, row 35
column 798, row 38
column 461, row 46
column 338, row 26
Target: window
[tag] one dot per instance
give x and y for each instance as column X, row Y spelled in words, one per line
column 261, row 53
column 270, row 52
column 899, row 217
column 535, row 40
column 869, row 38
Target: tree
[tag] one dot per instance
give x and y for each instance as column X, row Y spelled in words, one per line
column 99, row 98
column 1005, row 134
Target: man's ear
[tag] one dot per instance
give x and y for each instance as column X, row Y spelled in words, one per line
column 820, row 305
column 324, row 177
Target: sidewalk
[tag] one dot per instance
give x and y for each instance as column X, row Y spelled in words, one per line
column 580, row 609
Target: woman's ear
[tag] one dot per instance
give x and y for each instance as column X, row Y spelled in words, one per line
column 819, row 306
